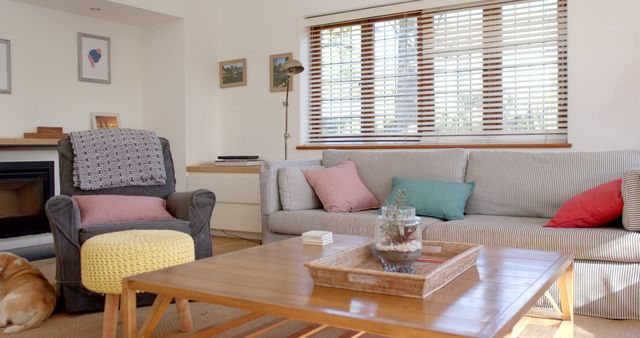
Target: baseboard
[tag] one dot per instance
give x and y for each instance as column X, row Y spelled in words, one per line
column 232, row 234
column 6, row 244
column 36, row 252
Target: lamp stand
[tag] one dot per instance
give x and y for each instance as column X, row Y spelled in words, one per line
column 286, row 135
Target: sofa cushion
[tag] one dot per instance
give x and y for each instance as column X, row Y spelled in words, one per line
column 528, row 184
column 102, row 209
column 98, row 229
column 604, row 244
column 591, row 209
column 340, row 188
column 439, row 199
column 354, row 223
column 377, row 167
column 295, row 192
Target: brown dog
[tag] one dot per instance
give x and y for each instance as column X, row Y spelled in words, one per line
column 27, row 297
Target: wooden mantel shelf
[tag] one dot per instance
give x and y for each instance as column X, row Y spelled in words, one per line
column 28, row 142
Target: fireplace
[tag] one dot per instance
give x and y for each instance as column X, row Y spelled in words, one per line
column 24, row 189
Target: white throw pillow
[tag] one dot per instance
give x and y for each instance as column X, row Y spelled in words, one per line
column 295, row 192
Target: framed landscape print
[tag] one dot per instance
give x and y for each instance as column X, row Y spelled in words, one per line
column 94, row 58
column 278, row 82
column 105, row 120
column 233, row 73
column 5, row 66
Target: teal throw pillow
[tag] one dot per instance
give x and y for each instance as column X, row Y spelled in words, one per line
column 439, row 199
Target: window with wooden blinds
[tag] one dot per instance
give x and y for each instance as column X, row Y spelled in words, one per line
column 489, row 72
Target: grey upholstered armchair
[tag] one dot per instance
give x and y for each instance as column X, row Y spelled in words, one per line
column 192, row 212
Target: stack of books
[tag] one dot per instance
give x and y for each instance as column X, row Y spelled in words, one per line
column 238, row 161
column 317, row 237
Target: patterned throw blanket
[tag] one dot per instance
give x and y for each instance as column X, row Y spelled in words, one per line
column 111, row 158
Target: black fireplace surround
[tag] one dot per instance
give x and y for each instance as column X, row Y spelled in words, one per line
column 24, row 188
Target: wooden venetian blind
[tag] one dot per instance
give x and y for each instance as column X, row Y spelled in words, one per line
column 489, row 72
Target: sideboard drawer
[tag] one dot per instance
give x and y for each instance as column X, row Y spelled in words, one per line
column 237, row 196
column 229, row 187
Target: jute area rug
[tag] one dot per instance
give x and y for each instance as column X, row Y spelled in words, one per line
column 205, row 315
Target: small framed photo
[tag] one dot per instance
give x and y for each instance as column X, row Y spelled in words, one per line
column 233, row 73
column 105, row 120
column 5, row 66
column 278, row 82
column 94, row 58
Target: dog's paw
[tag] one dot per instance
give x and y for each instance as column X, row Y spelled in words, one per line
column 13, row 329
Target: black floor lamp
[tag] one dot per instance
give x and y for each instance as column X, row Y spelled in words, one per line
column 290, row 68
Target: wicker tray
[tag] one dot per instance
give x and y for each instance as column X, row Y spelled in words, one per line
column 357, row 269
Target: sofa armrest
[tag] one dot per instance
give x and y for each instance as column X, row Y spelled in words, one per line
column 631, row 197
column 196, row 207
column 269, row 193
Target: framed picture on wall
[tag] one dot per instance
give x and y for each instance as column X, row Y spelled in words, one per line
column 233, row 73
column 5, row 66
column 94, row 58
column 105, row 120
column 278, row 82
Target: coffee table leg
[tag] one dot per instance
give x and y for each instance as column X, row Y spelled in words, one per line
column 155, row 314
column 128, row 308
column 550, row 319
column 184, row 313
column 565, row 286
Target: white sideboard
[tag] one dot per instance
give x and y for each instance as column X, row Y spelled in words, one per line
column 237, row 190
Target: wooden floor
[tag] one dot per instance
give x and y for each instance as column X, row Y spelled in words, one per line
column 221, row 245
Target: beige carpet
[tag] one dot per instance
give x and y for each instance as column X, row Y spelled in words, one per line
column 204, row 315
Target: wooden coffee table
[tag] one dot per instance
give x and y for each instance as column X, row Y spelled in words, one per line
column 488, row 300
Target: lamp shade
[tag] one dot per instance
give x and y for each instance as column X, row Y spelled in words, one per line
column 292, row 67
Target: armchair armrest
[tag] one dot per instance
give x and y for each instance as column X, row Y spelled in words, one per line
column 631, row 197
column 196, row 207
column 64, row 218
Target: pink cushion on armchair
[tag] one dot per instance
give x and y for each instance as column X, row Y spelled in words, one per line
column 101, row 209
column 340, row 188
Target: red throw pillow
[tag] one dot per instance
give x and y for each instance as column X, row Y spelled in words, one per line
column 101, row 209
column 592, row 208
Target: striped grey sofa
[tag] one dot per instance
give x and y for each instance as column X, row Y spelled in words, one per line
column 516, row 194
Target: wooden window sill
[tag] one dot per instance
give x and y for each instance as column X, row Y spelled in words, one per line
column 433, row 146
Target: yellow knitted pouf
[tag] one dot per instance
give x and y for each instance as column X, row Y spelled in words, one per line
column 108, row 258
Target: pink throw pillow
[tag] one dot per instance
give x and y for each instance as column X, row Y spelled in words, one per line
column 340, row 188
column 592, row 208
column 101, row 209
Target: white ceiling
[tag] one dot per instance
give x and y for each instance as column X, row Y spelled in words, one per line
column 109, row 11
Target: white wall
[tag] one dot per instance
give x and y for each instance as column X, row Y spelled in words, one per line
column 604, row 74
column 198, row 46
column 46, row 90
column 45, row 86
column 251, row 117
column 228, row 121
column 175, row 90
column 164, row 89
